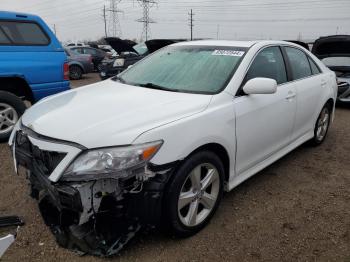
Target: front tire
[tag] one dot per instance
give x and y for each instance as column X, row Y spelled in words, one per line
column 11, row 109
column 193, row 194
column 322, row 125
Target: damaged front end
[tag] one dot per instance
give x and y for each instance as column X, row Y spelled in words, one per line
column 88, row 211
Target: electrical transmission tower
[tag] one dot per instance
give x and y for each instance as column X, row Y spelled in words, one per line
column 114, row 28
column 146, row 20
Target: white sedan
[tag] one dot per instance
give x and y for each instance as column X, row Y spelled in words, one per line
column 159, row 143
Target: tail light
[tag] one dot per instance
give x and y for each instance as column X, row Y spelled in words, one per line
column 90, row 59
column 65, row 71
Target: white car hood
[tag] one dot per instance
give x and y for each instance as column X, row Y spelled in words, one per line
column 109, row 113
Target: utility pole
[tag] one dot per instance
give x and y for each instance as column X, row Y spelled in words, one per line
column 337, row 30
column 191, row 23
column 105, row 19
column 114, row 28
column 146, row 20
column 54, row 29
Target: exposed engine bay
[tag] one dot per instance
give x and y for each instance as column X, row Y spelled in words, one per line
column 96, row 217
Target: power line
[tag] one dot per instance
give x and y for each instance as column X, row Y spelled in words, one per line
column 146, row 20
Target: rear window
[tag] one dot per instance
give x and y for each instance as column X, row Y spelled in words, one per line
column 22, row 33
column 299, row 63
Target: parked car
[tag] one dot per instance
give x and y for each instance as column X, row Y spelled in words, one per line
column 129, row 53
column 97, row 54
column 334, row 51
column 127, row 164
column 79, row 64
column 33, row 65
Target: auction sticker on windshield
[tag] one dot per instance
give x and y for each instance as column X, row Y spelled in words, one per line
column 228, row 53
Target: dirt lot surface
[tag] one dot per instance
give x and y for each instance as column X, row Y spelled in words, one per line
column 298, row 209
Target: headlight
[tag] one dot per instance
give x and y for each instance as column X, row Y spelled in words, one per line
column 117, row 162
column 119, row 62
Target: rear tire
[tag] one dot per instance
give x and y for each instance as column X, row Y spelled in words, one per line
column 75, row 72
column 322, row 126
column 11, row 109
column 193, row 194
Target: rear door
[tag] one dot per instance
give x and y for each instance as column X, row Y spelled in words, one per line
column 264, row 122
column 308, row 82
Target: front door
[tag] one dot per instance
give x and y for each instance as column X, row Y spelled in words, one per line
column 264, row 122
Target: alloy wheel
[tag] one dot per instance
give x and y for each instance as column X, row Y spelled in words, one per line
column 322, row 124
column 198, row 195
column 8, row 118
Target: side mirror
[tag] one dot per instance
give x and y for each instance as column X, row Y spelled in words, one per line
column 260, row 85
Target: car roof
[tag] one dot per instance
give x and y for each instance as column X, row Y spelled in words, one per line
column 17, row 15
column 246, row 44
column 218, row 43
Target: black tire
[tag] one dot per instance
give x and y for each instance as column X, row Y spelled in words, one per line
column 172, row 222
column 75, row 72
column 317, row 139
column 16, row 103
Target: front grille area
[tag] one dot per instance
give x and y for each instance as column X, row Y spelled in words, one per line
column 28, row 154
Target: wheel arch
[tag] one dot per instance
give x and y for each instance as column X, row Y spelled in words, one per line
column 18, row 86
column 77, row 64
column 220, row 151
column 330, row 102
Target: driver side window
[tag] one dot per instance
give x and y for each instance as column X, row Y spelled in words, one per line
column 269, row 63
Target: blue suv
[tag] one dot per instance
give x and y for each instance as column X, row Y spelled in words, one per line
column 33, row 65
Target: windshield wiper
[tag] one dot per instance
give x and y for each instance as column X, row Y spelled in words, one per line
column 158, row 87
column 120, row 79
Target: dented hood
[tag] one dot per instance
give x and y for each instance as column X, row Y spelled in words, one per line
column 332, row 46
column 109, row 113
column 120, row 45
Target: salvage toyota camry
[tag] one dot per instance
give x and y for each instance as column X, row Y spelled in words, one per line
column 158, row 144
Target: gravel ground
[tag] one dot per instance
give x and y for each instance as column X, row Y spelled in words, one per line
column 298, row 209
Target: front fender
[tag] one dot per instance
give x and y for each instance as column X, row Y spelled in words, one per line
column 216, row 125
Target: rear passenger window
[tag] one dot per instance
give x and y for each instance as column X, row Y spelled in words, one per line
column 268, row 63
column 22, row 33
column 298, row 62
column 314, row 68
column 90, row 51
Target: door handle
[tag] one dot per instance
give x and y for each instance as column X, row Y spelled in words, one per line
column 290, row 95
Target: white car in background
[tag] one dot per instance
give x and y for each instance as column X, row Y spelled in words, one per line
column 158, row 144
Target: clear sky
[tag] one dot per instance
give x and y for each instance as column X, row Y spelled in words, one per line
column 224, row 19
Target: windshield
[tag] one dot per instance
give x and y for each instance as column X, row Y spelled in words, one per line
column 141, row 48
column 194, row 69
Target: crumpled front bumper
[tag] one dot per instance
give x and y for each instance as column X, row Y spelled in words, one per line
column 97, row 217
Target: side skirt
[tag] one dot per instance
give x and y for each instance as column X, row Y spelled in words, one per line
column 255, row 169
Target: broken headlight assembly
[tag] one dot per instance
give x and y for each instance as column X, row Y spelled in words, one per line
column 111, row 162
